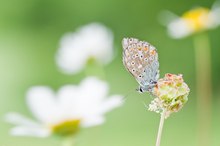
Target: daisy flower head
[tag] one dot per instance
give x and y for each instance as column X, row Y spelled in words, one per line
column 92, row 42
column 193, row 21
column 63, row 113
column 171, row 93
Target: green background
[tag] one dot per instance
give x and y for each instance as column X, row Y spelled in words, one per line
column 30, row 31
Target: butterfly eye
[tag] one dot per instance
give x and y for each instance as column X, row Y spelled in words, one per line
column 141, row 90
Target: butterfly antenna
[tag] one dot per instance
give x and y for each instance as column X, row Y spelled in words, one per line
column 127, row 95
column 145, row 105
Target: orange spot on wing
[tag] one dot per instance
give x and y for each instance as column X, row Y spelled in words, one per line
column 152, row 52
column 145, row 49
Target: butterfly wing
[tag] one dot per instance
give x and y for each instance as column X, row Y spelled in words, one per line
column 141, row 60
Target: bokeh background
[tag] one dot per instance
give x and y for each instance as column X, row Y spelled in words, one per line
column 30, row 31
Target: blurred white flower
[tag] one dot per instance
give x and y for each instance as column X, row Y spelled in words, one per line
column 64, row 112
column 93, row 41
column 195, row 20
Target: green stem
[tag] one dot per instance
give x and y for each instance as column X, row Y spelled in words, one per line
column 160, row 129
column 203, row 82
column 68, row 141
column 94, row 68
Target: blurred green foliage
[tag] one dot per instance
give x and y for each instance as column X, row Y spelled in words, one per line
column 29, row 38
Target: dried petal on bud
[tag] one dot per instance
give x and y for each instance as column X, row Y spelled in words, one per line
column 171, row 94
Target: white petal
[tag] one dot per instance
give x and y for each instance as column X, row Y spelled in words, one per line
column 215, row 14
column 179, row 29
column 92, row 92
column 93, row 89
column 92, row 40
column 70, row 101
column 17, row 119
column 93, row 96
column 71, row 57
column 166, row 17
column 99, row 41
column 29, row 131
column 84, row 100
column 92, row 121
column 41, row 101
column 111, row 103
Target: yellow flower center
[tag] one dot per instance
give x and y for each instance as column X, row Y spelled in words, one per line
column 91, row 60
column 197, row 19
column 66, row 128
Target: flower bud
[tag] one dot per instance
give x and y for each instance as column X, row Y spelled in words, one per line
column 170, row 94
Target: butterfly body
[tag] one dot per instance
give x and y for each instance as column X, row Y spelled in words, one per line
column 140, row 58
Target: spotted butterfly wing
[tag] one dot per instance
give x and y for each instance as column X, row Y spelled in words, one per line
column 141, row 59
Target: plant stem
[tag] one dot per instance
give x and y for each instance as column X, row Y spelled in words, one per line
column 203, row 83
column 94, row 68
column 162, row 118
column 68, row 141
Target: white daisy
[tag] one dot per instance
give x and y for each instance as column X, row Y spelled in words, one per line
column 64, row 112
column 195, row 20
column 93, row 41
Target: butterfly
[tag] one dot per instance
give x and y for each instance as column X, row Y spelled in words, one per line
column 140, row 58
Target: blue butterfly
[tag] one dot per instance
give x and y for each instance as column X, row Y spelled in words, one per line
column 140, row 58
